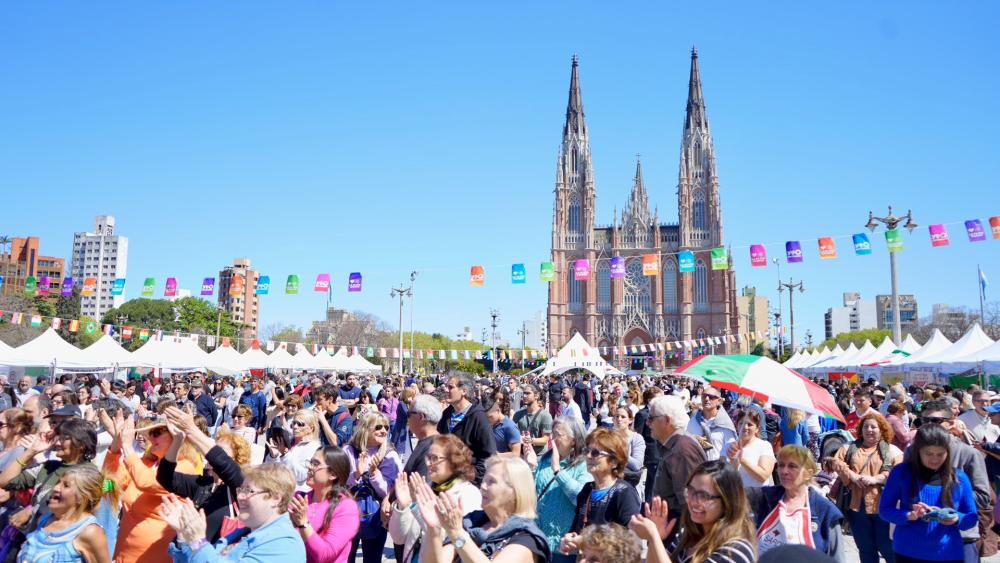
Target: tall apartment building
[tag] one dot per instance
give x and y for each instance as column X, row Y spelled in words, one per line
column 855, row 314
column 244, row 309
column 753, row 310
column 25, row 260
column 908, row 320
column 101, row 255
column 537, row 335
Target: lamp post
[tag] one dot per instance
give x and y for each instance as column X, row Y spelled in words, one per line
column 891, row 221
column 791, row 286
column 122, row 319
column 413, row 278
column 494, row 314
column 401, row 292
column 777, row 317
column 523, row 332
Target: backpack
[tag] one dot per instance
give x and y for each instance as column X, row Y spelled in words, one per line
column 883, row 452
column 369, row 505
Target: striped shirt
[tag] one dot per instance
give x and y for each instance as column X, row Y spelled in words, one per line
column 734, row 551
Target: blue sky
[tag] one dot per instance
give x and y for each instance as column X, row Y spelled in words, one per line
column 386, row 137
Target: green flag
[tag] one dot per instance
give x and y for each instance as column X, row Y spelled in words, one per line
column 148, row 287
column 719, row 259
column 30, row 286
column 292, row 285
column 894, row 240
column 548, row 272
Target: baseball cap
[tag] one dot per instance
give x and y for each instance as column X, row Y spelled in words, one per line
column 67, row 410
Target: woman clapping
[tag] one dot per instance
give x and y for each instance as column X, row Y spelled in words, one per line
column 326, row 517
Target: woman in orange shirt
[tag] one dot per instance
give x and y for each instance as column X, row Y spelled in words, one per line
column 142, row 534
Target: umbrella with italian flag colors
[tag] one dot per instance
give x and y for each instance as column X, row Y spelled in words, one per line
column 762, row 378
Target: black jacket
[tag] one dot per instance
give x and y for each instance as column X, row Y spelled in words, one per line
column 201, row 488
column 205, row 406
column 641, row 425
column 618, row 506
column 476, row 432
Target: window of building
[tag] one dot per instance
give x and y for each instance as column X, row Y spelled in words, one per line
column 669, row 286
column 575, row 293
column 575, row 214
column 698, row 210
column 700, row 286
column 604, row 288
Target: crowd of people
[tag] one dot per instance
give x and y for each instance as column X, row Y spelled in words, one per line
column 440, row 468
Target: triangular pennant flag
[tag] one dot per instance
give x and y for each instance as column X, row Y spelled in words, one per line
column 74, row 325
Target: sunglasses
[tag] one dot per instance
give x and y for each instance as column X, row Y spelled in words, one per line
column 595, row 453
column 934, row 419
column 381, row 427
column 298, row 423
column 156, row 432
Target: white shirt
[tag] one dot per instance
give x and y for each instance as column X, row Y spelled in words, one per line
column 980, row 426
column 753, row 452
column 22, row 397
column 297, row 459
column 572, row 410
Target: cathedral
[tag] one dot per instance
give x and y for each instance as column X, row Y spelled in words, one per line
column 637, row 309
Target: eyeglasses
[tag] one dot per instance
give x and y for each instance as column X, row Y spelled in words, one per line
column 316, row 464
column 156, row 432
column 700, row 497
column 235, row 416
column 595, row 453
column 934, row 419
column 432, row 459
column 711, row 397
column 248, row 492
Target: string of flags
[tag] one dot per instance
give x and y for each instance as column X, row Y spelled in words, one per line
column 678, row 348
column 582, row 269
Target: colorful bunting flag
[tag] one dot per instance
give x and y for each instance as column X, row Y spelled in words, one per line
column 827, row 248
column 793, row 252
column 108, row 329
column 89, row 287
column 143, row 334
column 15, row 318
column 118, row 286
column 148, row 287
column 56, row 323
column 862, row 245
column 518, row 273
column 720, row 261
column 36, row 321
column 67, row 287
column 974, row 227
column 90, row 327
column 74, row 325
column 208, row 286
column 322, row 283
column 995, row 226
column 650, row 264
column 292, row 284
column 354, row 283
column 170, row 289
column 581, row 269
column 547, row 272
column 617, row 267
column 30, row 285
column 263, row 285
column 685, row 261
column 477, row 276
column 127, row 333
column 43, row 285
column 758, row 255
column 894, row 240
column 939, row 235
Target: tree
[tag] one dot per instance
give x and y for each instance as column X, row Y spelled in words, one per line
column 83, row 339
column 189, row 314
column 858, row 337
column 283, row 333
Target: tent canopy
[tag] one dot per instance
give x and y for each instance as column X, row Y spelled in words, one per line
column 44, row 350
column 971, row 342
column 934, row 345
column 577, row 354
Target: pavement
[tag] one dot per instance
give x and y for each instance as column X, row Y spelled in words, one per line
column 851, row 553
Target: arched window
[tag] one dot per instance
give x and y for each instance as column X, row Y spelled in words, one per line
column 575, row 215
column 701, row 333
column 669, row 286
column 700, row 286
column 637, row 287
column 604, row 288
column 575, row 293
column 698, row 210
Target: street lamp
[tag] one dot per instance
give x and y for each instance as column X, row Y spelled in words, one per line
column 791, row 287
column 401, row 292
column 523, row 332
column 413, row 278
column 777, row 317
column 891, row 221
column 494, row 314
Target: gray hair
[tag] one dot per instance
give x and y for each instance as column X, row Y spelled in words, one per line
column 575, row 429
column 428, row 406
column 466, row 382
column 672, row 407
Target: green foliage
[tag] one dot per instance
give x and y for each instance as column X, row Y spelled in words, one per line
column 44, row 307
column 858, row 337
column 423, row 340
column 189, row 314
column 82, row 338
column 289, row 333
column 760, row 349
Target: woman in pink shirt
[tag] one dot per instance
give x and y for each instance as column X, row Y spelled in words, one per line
column 901, row 433
column 327, row 517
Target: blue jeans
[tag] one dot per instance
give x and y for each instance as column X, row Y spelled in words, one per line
column 371, row 550
column 871, row 534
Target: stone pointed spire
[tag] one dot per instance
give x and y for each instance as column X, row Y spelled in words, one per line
column 696, row 116
column 637, row 210
column 575, row 123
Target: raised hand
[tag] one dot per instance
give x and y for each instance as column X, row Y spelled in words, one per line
column 645, row 528
column 402, row 489
column 450, row 514
column 184, row 518
column 427, row 504
column 183, row 420
column 36, row 443
column 658, row 512
column 568, row 544
column 298, row 510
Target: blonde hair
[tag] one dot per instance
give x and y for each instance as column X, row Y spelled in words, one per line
column 517, row 475
column 89, row 484
column 275, row 480
column 364, row 428
column 800, row 455
column 795, row 416
column 311, row 419
column 241, row 449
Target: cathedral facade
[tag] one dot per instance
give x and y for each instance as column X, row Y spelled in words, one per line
column 638, row 309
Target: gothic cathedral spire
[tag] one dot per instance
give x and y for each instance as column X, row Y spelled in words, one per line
column 699, row 210
column 573, row 220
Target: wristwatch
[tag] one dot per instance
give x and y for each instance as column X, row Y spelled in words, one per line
column 459, row 541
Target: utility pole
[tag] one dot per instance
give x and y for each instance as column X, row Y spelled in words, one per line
column 494, row 314
column 791, row 287
column 413, row 278
column 523, row 332
column 218, row 325
column 777, row 317
column 122, row 319
column 401, row 292
column 809, row 338
column 891, row 221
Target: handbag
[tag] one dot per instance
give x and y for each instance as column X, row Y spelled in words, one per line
column 369, row 505
column 232, row 522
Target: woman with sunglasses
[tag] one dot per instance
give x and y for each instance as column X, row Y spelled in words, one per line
column 305, row 442
column 608, row 498
column 326, row 517
column 242, row 415
column 142, row 533
column 374, row 468
column 450, row 471
column 716, row 520
column 213, row 491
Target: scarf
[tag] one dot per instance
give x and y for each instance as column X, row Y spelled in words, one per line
column 447, row 485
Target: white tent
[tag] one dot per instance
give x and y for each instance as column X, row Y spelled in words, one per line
column 880, row 354
column 171, row 354
column 934, row 345
column 225, row 360
column 303, row 360
column 280, row 359
column 577, row 354
column 990, row 356
column 358, row 363
column 795, row 359
column 44, row 350
column 107, row 352
column 255, row 357
column 323, row 361
column 840, row 359
column 971, row 342
column 910, row 345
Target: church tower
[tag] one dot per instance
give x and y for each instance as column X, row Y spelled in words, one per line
column 573, row 220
